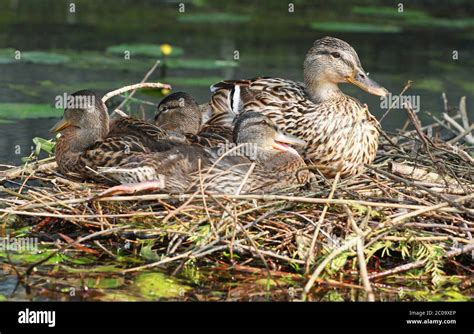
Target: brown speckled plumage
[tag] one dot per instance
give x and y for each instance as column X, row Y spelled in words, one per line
column 340, row 132
column 133, row 151
column 179, row 112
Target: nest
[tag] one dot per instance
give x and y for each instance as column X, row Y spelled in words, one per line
column 416, row 200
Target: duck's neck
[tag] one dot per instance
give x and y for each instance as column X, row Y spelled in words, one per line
column 320, row 91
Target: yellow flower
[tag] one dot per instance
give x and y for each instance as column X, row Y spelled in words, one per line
column 166, row 49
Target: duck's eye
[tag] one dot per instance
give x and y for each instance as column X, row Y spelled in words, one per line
column 336, row 54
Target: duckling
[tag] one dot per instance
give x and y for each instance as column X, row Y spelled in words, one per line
column 270, row 164
column 179, row 112
column 340, row 133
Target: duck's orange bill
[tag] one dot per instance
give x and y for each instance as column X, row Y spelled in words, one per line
column 61, row 125
column 360, row 79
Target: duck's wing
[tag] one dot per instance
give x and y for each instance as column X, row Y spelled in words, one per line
column 219, row 129
column 151, row 136
column 246, row 177
column 110, row 152
column 120, row 160
column 255, row 94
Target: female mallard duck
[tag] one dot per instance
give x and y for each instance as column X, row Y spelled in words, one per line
column 340, row 133
column 179, row 112
column 124, row 155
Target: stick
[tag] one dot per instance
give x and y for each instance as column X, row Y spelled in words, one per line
column 402, row 218
column 298, row 199
column 145, row 78
column 320, row 222
column 134, row 87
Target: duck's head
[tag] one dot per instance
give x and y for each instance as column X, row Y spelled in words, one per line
column 332, row 61
column 85, row 119
column 179, row 112
column 257, row 129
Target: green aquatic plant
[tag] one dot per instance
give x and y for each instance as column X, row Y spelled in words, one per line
column 194, row 81
column 146, row 50
column 7, row 56
column 104, row 282
column 41, row 145
column 46, row 58
column 355, row 27
column 201, row 64
column 148, row 253
column 13, row 110
column 227, row 18
column 390, row 12
column 157, row 285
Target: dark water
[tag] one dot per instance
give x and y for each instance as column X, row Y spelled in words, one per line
column 272, row 43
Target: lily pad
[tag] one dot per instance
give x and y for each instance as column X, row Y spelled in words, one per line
column 47, row 58
column 434, row 22
column 355, row 27
column 146, row 50
column 198, row 82
column 214, row 18
column 392, row 12
column 27, row 110
column 201, row 64
column 157, row 285
column 7, row 56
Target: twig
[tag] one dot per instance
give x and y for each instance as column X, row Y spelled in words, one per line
column 134, row 87
column 145, row 78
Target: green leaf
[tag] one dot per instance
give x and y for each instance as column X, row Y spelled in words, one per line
column 47, row 58
column 201, row 64
column 391, row 12
column 338, row 263
column 7, row 56
column 104, row 282
column 148, row 253
column 146, row 50
column 227, row 18
column 44, row 144
column 27, row 110
column 198, row 82
column 355, row 27
column 157, row 285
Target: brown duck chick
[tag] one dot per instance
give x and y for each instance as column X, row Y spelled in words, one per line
column 340, row 132
column 260, row 161
column 179, row 112
column 267, row 161
column 88, row 141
